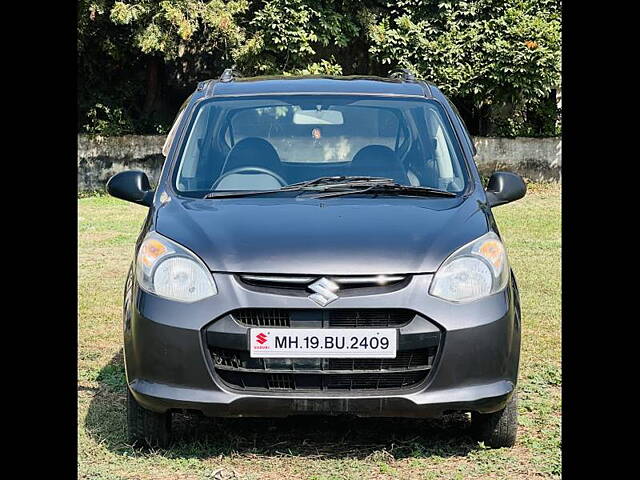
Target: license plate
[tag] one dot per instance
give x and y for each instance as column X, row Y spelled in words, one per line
column 323, row 343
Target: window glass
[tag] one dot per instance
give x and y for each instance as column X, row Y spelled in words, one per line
column 172, row 133
column 267, row 142
column 332, row 143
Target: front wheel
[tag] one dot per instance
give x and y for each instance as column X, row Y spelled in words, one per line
column 497, row 429
column 147, row 427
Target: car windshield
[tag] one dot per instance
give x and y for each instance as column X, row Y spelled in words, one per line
column 265, row 143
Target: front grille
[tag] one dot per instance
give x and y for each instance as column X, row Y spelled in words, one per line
column 239, row 370
column 301, row 282
column 369, row 318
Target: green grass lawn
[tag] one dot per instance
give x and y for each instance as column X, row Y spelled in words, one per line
column 319, row 448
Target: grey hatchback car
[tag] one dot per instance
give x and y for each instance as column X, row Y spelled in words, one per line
column 320, row 245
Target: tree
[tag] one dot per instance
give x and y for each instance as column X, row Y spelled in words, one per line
column 504, row 55
column 188, row 35
column 108, row 88
column 499, row 60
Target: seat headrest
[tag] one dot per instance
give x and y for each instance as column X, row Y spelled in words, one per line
column 378, row 161
column 253, row 152
column 373, row 154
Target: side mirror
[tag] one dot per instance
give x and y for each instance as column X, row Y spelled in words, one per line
column 132, row 186
column 505, row 187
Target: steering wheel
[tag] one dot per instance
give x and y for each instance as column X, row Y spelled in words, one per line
column 235, row 171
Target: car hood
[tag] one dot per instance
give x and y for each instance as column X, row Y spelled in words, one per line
column 337, row 236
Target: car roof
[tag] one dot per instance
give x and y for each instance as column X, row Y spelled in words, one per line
column 316, row 84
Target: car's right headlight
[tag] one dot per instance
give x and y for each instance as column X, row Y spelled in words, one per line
column 476, row 270
column 169, row 270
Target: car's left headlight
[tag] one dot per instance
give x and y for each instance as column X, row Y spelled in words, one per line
column 169, row 270
column 476, row 270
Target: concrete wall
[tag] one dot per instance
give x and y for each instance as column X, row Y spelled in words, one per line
column 100, row 158
column 534, row 158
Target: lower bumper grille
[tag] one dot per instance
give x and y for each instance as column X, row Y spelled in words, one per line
column 239, row 370
column 289, row 382
column 262, row 317
column 227, row 344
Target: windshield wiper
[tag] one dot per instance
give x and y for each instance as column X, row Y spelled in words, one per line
column 241, row 193
column 320, row 183
column 340, row 180
column 388, row 189
column 344, row 185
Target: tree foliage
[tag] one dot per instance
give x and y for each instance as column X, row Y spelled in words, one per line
column 501, row 54
column 173, row 29
column 498, row 60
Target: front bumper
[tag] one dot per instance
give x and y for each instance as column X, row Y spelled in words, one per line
column 168, row 367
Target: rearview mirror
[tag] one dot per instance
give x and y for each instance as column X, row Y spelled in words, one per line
column 318, row 117
column 132, row 186
column 505, row 187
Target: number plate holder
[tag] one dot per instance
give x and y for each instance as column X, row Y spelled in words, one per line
column 323, row 342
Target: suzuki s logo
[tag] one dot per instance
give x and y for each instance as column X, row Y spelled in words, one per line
column 261, row 338
column 325, row 291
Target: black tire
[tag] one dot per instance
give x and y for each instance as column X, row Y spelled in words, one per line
column 497, row 429
column 147, row 428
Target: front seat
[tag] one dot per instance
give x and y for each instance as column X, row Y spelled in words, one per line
column 378, row 161
column 251, row 152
